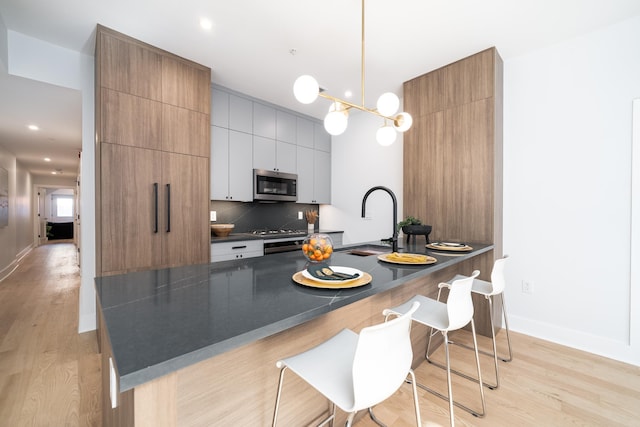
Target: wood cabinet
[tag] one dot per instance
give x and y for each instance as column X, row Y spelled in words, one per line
column 149, row 202
column 453, row 155
column 152, row 157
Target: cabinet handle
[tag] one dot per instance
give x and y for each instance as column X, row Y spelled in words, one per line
column 155, row 207
column 239, row 247
column 168, row 208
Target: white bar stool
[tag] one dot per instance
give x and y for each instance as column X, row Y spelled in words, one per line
column 489, row 290
column 441, row 317
column 358, row 371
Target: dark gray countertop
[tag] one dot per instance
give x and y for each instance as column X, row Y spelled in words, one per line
column 159, row 321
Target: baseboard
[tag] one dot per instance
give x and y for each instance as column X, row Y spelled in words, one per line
column 6, row 272
column 602, row 346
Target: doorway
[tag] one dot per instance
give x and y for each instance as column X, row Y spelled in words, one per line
column 55, row 214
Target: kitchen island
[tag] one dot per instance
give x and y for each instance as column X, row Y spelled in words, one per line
column 197, row 345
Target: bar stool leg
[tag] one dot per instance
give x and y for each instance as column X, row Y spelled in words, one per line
column 506, row 327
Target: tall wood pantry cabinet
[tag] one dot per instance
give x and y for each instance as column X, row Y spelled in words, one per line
column 453, row 157
column 152, row 157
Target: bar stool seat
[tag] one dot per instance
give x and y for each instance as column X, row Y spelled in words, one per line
column 357, row 371
column 443, row 318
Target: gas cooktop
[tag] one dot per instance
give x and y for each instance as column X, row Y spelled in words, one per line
column 278, row 233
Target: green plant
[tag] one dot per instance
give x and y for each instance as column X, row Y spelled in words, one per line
column 409, row 221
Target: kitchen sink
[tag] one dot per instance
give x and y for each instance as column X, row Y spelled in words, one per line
column 366, row 250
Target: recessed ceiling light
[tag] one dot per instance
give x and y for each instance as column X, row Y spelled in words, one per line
column 206, row 24
column 54, row 173
column 46, row 159
column 348, row 94
column 33, row 127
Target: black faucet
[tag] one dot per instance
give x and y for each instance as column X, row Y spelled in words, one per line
column 394, row 238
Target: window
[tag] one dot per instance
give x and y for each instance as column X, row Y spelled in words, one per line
column 62, row 206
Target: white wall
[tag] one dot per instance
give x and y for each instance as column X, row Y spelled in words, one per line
column 15, row 239
column 358, row 163
column 567, row 190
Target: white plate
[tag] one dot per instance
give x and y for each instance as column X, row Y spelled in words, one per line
column 345, row 270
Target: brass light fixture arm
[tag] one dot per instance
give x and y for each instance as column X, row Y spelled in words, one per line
column 352, row 105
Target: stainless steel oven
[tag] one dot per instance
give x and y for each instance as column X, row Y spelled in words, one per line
column 276, row 241
column 274, row 186
column 284, row 244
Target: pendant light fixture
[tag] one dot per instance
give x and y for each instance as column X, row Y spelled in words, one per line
column 306, row 90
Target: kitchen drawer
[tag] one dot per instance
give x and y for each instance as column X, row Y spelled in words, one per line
column 235, row 250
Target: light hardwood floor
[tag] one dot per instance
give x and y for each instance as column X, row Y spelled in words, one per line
column 49, row 374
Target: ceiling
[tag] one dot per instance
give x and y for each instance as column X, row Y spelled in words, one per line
column 249, row 49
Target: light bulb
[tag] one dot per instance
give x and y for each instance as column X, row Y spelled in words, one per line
column 403, row 122
column 386, row 135
column 336, row 122
column 388, row 104
column 306, row 89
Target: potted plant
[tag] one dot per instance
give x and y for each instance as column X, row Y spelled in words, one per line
column 413, row 226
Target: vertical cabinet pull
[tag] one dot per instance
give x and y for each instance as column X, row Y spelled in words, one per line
column 155, row 207
column 168, row 208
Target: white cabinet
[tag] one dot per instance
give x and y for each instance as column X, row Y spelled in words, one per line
column 273, row 155
column 240, row 114
column 231, row 165
column 336, row 238
column 219, row 108
column 285, row 127
column 322, row 177
column 248, row 135
column 321, row 139
column 225, row 251
column 314, row 176
column 304, row 132
column 264, row 121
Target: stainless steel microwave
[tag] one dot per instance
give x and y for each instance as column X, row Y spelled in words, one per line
column 274, row 186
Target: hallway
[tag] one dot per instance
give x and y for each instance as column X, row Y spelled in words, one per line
column 49, row 374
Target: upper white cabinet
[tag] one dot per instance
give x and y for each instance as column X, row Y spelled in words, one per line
column 231, row 166
column 240, row 114
column 286, row 127
column 273, row 155
column 264, row 121
column 304, row 132
column 314, row 176
column 220, row 108
column 321, row 139
column 248, row 134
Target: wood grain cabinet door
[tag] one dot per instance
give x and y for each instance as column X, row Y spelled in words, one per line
column 185, row 201
column 128, row 66
column 130, row 239
column 186, row 85
column 130, row 120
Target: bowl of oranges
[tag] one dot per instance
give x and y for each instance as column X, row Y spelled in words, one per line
column 317, row 247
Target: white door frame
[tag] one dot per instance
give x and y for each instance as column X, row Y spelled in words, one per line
column 37, row 217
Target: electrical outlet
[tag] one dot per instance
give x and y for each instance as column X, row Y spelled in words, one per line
column 299, row 214
column 212, row 216
column 527, row 287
